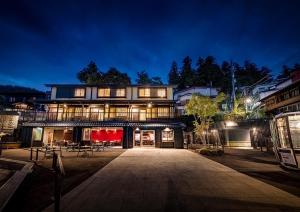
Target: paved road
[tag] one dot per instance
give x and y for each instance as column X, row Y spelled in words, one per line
column 173, row 180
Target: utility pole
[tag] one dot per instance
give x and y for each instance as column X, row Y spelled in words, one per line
column 232, row 99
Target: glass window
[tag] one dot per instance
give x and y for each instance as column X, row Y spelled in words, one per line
column 79, row 92
column 283, row 133
column 103, row 92
column 121, row 111
column 37, row 134
column 161, row 92
column 144, row 92
column 163, row 112
column 294, row 124
column 86, row 134
column 168, row 135
column 120, row 92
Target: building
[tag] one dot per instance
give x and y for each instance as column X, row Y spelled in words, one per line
column 183, row 96
column 284, row 100
column 129, row 116
column 19, row 98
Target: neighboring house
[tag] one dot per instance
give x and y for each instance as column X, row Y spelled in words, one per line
column 19, row 98
column 286, row 99
column 183, row 96
column 257, row 93
column 129, row 116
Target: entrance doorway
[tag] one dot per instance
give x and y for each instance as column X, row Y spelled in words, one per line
column 144, row 138
column 148, row 138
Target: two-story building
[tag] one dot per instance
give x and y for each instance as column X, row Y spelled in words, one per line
column 129, row 116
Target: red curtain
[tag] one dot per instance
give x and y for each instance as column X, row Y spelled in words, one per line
column 107, row 135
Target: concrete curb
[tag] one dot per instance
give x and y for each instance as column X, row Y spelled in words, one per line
column 12, row 184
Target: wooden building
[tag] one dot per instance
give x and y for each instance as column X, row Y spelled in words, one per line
column 129, row 116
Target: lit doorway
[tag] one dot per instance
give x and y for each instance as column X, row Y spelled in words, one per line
column 144, row 138
column 148, row 138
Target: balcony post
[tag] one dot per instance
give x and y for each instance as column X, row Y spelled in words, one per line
column 82, row 112
column 90, row 113
column 57, row 112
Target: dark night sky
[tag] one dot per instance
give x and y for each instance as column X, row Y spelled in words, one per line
column 49, row 42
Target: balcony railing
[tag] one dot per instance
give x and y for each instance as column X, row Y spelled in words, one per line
column 95, row 116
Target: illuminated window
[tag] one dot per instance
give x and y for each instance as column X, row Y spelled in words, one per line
column 144, row 92
column 163, row 112
column 121, row 111
column 86, row 135
column 79, row 92
column 168, row 135
column 294, row 124
column 120, row 92
column 283, row 133
column 103, row 92
column 37, row 134
column 161, row 92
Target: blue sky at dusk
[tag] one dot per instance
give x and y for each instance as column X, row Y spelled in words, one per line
column 50, row 41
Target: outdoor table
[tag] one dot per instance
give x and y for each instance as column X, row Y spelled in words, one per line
column 98, row 146
column 85, row 149
column 72, row 146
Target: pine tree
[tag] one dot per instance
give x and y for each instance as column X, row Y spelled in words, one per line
column 174, row 76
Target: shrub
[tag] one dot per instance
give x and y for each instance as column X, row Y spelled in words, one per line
column 210, row 152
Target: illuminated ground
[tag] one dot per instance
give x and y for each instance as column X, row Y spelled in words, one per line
column 173, row 180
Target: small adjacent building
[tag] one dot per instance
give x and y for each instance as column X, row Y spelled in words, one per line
column 183, row 96
column 19, row 98
column 127, row 116
column 286, row 99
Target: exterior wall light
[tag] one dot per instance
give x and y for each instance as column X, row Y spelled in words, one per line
column 230, row 124
column 149, row 105
column 248, row 100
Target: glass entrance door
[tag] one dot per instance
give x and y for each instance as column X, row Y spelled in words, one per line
column 148, row 138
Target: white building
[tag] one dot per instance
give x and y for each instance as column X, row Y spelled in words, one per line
column 182, row 97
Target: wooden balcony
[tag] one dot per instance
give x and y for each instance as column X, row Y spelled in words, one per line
column 96, row 116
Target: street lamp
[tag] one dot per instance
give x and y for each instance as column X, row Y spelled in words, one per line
column 248, row 101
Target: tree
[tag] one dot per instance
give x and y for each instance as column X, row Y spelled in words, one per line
column 187, row 73
column 238, row 111
column 208, row 72
column 156, row 81
column 90, row 74
column 143, row 78
column 203, row 109
column 285, row 72
column 250, row 74
column 114, row 77
column 174, row 76
column 227, row 80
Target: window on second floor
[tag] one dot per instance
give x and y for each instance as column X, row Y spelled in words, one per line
column 120, row 92
column 161, row 92
column 79, row 92
column 152, row 92
column 144, row 92
column 103, row 92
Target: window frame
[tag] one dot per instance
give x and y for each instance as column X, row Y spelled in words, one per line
column 79, row 96
column 105, row 89
column 153, row 92
column 120, row 89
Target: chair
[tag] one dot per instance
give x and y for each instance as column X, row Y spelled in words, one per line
column 72, row 146
column 97, row 146
column 85, row 148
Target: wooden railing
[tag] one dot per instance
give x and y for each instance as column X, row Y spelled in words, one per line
column 95, row 116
